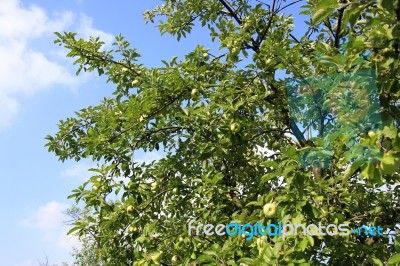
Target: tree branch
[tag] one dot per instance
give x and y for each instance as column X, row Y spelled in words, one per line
column 261, row 37
column 339, row 24
column 231, row 12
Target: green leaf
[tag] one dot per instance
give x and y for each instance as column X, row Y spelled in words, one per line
column 272, row 164
column 387, row 5
column 394, row 260
column 397, row 243
column 303, row 244
column 310, row 240
column 323, row 9
column 76, row 228
column 377, row 261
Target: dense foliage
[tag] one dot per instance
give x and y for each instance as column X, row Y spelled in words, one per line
column 333, row 92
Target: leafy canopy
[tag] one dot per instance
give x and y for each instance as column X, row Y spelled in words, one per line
column 209, row 112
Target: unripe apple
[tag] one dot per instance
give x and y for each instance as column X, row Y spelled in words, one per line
column 154, row 185
column 130, row 209
column 276, row 145
column 256, row 82
column 174, row 259
column 181, row 239
column 175, row 190
column 205, row 56
column 95, row 188
column 269, row 209
column 371, row 134
column 195, row 94
column 235, row 127
column 135, row 82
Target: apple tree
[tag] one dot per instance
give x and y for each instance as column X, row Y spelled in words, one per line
column 241, row 127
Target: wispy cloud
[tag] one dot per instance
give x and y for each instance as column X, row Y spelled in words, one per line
column 50, row 220
column 28, row 66
column 47, row 217
column 78, row 171
column 148, row 157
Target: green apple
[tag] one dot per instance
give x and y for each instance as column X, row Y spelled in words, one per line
column 132, row 229
column 142, row 118
column 371, row 134
column 195, row 94
column 256, row 82
column 130, row 209
column 181, row 239
column 276, row 145
column 95, row 188
column 235, row 127
column 175, row 190
column 206, row 56
column 135, row 82
column 154, row 185
column 174, row 259
column 269, row 209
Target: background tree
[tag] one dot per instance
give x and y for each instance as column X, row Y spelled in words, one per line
column 211, row 111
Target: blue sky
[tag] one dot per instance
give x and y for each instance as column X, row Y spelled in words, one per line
column 38, row 87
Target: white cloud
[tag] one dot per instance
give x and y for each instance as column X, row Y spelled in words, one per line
column 148, row 157
column 68, row 242
column 79, row 171
column 86, row 30
column 50, row 220
column 9, row 107
column 26, row 23
column 47, row 217
column 27, row 66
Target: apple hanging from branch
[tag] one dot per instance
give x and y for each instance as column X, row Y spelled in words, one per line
column 269, row 209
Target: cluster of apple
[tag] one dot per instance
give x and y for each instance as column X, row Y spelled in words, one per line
column 136, row 81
